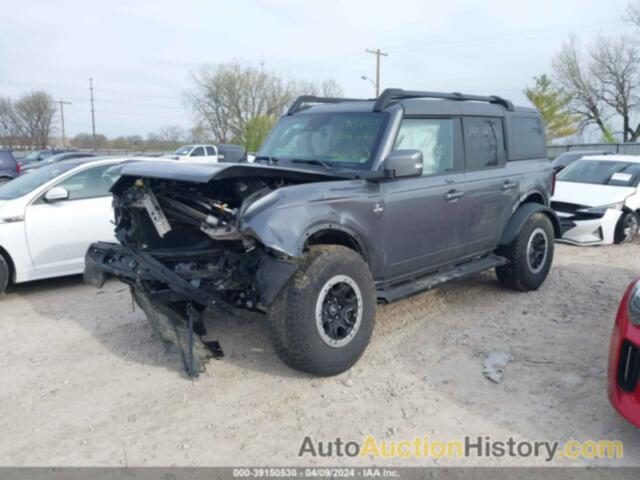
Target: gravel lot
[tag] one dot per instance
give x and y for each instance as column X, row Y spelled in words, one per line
column 83, row 382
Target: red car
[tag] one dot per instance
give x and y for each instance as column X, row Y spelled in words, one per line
column 624, row 357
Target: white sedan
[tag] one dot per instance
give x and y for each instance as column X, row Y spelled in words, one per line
column 49, row 217
column 597, row 200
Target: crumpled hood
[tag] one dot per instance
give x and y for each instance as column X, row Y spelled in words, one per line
column 590, row 195
column 204, row 173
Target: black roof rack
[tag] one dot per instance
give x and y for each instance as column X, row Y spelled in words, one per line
column 391, row 94
column 304, row 99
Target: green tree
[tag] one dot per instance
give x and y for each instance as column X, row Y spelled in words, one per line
column 553, row 104
column 256, row 131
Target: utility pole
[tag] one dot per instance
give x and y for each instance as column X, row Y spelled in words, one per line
column 62, row 104
column 378, row 53
column 93, row 115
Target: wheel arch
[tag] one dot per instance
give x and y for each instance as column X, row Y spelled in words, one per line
column 12, row 268
column 335, row 234
column 533, row 196
column 521, row 215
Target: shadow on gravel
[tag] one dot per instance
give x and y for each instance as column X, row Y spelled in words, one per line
column 49, row 285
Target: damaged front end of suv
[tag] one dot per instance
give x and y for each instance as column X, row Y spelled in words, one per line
column 192, row 241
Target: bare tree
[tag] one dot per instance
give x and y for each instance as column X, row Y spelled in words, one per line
column 576, row 78
column 34, row 112
column 172, row 134
column 227, row 96
column 633, row 13
column 85, row 140
column 615, row 66
column 11, row 133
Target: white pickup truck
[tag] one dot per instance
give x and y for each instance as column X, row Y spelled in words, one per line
column 196, row 154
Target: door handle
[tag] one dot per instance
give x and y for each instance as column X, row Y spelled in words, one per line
column 453, row 195
column 508, row 186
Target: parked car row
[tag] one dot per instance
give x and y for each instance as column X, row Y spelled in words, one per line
column 9, row 167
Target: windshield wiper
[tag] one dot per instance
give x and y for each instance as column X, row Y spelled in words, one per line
column 313, row 161
column 269, row 160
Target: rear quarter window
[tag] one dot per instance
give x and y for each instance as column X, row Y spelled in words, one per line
column 484, row 142
column 527, row 138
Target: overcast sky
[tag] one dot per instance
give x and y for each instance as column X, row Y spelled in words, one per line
column 140, row 52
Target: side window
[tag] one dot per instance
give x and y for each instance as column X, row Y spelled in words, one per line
column 91, row 183
column 211, row 151
column 197, row 152
column 483, row 142
column 528, row 138
column 434, row 137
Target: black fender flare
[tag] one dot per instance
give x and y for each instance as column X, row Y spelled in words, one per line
column 519, row 218
column 338, row 227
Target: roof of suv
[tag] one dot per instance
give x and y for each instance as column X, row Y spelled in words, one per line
column 414, row 103
column 418, row 106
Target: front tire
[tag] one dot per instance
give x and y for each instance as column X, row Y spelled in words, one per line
column 530, row 255
column 4, row 274
column 322, row 321
column 627, row 228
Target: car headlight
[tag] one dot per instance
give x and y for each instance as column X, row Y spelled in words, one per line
column 601, row 210
column 634, row 306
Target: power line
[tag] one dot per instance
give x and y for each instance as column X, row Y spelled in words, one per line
column 62, row 104
column 378, row 53
column 93, row 115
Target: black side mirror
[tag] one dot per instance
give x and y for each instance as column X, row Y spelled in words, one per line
column 403, row 163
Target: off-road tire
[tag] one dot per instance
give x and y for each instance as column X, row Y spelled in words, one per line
column 4, row 180
column 292, row 316
column 518, row 273
column 625, row 218
column 4, row 274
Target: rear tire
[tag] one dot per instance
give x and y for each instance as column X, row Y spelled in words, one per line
column 4, row 274
column 627, row 228
column 530, row 255
column 322, row 321
column 4, row 180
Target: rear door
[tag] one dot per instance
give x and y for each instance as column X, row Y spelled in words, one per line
column 490, row 191
column 421, row 214
column 58, row 234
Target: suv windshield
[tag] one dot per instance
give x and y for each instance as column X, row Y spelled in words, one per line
column 602, row 172
column 338, row 139
column 28, row 183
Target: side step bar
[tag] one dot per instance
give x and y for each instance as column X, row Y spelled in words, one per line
column 393, row 292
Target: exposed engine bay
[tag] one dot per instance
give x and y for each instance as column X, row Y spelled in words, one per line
column 183, row 253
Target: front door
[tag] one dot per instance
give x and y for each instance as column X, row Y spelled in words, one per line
column 422, row 227
column 59, row 233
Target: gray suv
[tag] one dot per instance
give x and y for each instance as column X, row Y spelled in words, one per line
column 349, row 203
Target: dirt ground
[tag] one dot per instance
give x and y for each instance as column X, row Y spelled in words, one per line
column 83, row 382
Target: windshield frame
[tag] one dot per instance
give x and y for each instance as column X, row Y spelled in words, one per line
column 300, row 160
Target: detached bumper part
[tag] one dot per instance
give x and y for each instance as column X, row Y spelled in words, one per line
column 184, row 331
column 172, row 298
